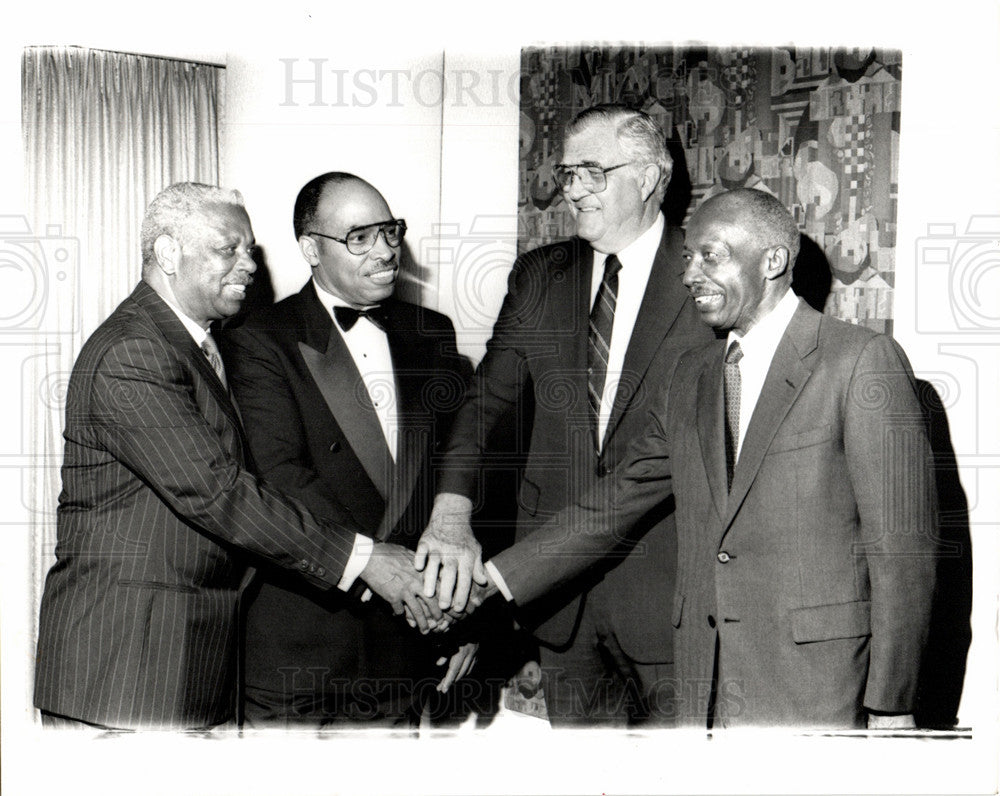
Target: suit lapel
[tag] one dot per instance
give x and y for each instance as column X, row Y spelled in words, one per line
column 785, row 379
column 179, row 337
column 412, row 443
column 661, row 304
column 710, row 429
column 339, row 382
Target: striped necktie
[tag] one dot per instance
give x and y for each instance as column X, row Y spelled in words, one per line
column 602, row 318
column 211, row 351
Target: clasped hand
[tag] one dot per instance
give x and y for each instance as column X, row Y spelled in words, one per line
column 391, row 575
column 451, row 559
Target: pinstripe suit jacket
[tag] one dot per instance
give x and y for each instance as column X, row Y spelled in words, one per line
column 155, row 517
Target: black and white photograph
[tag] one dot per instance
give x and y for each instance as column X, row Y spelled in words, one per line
column 516, row 399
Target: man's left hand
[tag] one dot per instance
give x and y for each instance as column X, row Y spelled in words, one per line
column 459, row 665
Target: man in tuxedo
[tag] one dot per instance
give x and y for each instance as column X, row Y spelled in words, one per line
column 159, row 516
column 799, row 461
column 587, row 328
column 344, row 392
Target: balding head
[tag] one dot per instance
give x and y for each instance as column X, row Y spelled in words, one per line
column 761, row 215
column 740, row 247
column 328, row 210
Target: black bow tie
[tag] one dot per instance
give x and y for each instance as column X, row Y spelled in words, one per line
column 348, row 316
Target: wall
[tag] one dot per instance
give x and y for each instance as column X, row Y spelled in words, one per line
column 450, row 167
column 945, row 315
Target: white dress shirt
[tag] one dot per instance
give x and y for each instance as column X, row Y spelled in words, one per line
column 199, row 333
column 758, row 346
column 637, row 263
column 369, row 348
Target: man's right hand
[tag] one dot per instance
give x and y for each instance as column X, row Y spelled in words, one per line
column 390, row 574
column 448, row 553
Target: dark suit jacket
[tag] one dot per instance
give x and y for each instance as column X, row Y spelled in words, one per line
column 539, row 342
column 156, row 508
column 815, row 573
column 315, row 435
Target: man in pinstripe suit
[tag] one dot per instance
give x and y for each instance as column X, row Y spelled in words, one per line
column 159, row 517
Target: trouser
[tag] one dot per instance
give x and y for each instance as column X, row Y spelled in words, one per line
column 595, row 682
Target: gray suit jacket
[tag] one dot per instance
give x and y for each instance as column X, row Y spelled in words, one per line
column 814, row 575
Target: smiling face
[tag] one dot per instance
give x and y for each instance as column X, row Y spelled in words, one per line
column 727, row 268
column 215, row 264
column 612, row 219
column 359, row 279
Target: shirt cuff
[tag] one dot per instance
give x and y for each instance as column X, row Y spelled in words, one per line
column 360, row 553
column 498, row 580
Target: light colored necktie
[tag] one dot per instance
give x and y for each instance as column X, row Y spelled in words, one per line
column 602, row 318
column 732, row 391
column 211, row 350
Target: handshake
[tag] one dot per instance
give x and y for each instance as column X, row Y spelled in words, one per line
column 444, row 581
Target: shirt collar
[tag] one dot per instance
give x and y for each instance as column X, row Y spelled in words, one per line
column 196, row 331
column 329, row 301
column 766, row 333
column 641, row 251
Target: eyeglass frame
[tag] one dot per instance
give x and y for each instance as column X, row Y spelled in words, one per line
column 590, row 167
column 381, row 231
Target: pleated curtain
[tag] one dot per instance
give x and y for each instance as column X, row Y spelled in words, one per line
column 103, row 133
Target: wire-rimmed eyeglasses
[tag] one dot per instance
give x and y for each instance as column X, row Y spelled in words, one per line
column 592, row 177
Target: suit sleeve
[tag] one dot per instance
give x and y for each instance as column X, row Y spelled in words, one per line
column 583, row 534
column 146, row 417
column 890, row 467
column 497, row 383
column 273, row 423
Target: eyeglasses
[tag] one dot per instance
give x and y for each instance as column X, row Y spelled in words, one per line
column 592, row 177
column 361, row 240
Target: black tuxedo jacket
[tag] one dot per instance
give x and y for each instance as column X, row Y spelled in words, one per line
column 156, row 509
column 315, row 435
column 539, row 343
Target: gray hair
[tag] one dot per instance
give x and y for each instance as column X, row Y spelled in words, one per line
column 639, row 136
column 173, row 210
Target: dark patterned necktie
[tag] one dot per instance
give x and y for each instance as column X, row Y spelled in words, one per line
column 602, row 318
column 732, row 390
column 348, row 316
column 211, row 350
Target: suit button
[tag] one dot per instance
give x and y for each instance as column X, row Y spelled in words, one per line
column 602, row 470
column 724, row 557
column 711, row 621
column 321, row 571
column 335, row 447
column 303, row 564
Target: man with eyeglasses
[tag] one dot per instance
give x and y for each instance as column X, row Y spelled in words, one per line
column 589, row 326
column 344, row 391
column 160, row 514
